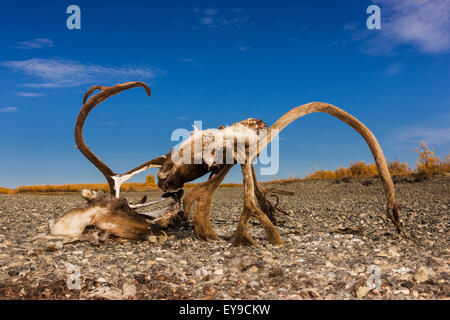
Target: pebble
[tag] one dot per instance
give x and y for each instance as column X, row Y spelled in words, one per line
column 393, row 253
column 128, row 291
column 313, row 264
column 218, row 272
column 402, row 291
column 253, row 269
column 361, row 292
column 422, row 274
column 201, row 273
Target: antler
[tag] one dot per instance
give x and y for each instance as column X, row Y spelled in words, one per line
column 368, row 136
column 114, row 180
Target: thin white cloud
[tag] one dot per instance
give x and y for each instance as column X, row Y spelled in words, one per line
column 29, row 94
column 351, row 26
column 9, row 109
column 34, row 44
column 54, row 73
column 243, row 48
column 211, row 12
column 392, row 70
column 185, row 59
column 214, row 18
column 191, row 62
column 421, row 24
column 431, row 135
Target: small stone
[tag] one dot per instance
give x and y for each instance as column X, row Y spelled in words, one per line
column 152, row 239
column 276, row 272
column 342, row 275
column 360, row 290
column 201, row 274
column 328, row 264
column 129, row 291
column 313, row 293
column 4, row 276
column 443, row 268
column 218, row 272
column 392, row 252
column 253, row 284
column 331, row 276
column 402, row 291
column 423, row 274
column 253, row 269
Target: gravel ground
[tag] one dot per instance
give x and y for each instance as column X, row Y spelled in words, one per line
column 315, row 262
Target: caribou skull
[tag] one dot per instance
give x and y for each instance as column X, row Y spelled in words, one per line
column 173, row 174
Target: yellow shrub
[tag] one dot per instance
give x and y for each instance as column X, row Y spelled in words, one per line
column 342, row 173
column 150, row 180
column 398, row 169
column 322, row 175
column 428, row 164
column 78, row 187
column 361, row 170
column 5, row 191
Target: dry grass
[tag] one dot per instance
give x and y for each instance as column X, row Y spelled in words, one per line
column 428, row 165
column 5, row 190
column 68, row 188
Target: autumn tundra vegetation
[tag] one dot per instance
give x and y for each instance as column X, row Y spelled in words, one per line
column 428, row 165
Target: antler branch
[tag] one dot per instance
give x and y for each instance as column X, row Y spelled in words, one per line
column 88, row 105
column 368, row 136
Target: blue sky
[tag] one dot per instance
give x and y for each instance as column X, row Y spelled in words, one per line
column 219, row 62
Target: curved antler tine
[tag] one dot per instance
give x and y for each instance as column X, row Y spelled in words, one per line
column 368, row 136
column 119, row 179
column 105, row 92
column 90, row 91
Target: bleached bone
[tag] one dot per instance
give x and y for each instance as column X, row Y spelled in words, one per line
column 120, row 179
column 173, row 175
column 114, row 180
column 142, row 205
column 105, row 212
column 155, row 213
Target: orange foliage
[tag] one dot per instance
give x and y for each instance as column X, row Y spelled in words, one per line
column 322, row 175
column 428, row 164
column 361, row 170
column 150, row 180
column 398, row 169
column 5, row 190
column 356, row 170
column 78, row 187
